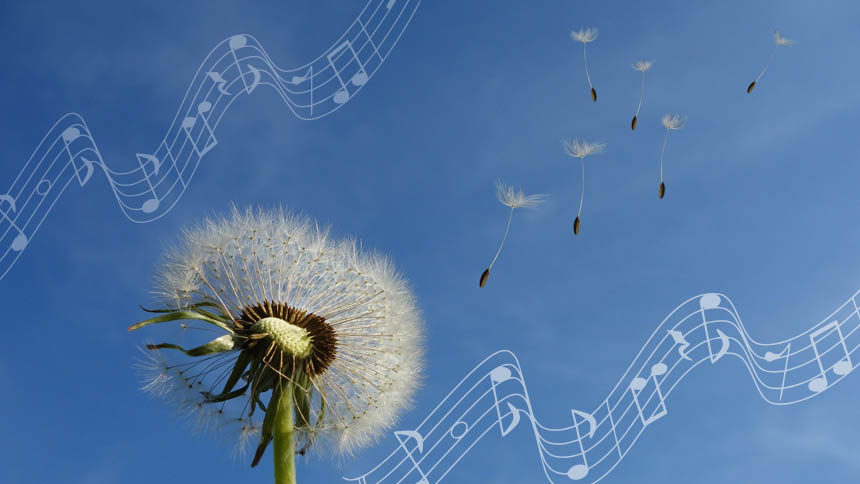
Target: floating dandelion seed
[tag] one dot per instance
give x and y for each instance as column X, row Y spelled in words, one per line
column 778, row 40
column 671, row 122
column 640, row 66
column 514, row 199
column 586, row 35
column 328, row 335
column 580, row 149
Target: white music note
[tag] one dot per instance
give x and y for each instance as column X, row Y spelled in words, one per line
column 20, row 241
column 459, row 434
column 785, row 353
column 69, row 135
column 358, row 79
column 678, row 338
column 499, row 375
column 639, row 383
column 219, row 81
column 236, row 43
column 578, row 471
column 419, row 444
column 150, row 205
column 709, row 301
column 188, row 125
column 842, row 367
column 300, row 79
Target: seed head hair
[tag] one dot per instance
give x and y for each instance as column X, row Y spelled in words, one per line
column 297, row 310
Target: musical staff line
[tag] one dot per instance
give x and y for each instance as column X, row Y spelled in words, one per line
column 158, row 179
column 703, row 329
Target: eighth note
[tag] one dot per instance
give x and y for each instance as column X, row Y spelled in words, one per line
column 578, row 471
column 419, row 444
column 636, row 387
column 842, row 367
column 150, row 205
column 499, row 375
column 358, row 79
column 188, row 125
column 20, row 241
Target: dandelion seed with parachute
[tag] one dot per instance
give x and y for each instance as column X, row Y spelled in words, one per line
column 778, row 40
column 640, row 66
column 577, row 148
column 514, row 199
column 321, row 338
column 586, row 35
column 671, row 122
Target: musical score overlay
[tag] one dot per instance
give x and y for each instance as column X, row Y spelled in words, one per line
column 702, row 330
column 69, row 156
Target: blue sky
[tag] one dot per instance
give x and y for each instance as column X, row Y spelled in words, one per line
column 761, row 206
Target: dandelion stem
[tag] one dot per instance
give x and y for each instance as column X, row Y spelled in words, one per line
column 663, row 152
column 585, row 59
column 582, row 196
column 641, row 95
column 284, row 428
column 773, row 53
column 510, row 216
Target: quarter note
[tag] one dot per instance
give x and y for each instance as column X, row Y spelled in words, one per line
column 785, row 353
column 499, row 375
column 190, row 122
column 419, row 444
column 842, row 367
column 300, row 79
column 639, row 383
column 358, row 79
column 20, row 241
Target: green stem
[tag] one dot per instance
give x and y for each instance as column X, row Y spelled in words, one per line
column 284, row 428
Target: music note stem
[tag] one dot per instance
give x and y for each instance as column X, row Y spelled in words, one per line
column 787, row 354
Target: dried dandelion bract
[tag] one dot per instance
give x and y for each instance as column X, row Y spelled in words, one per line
column 320, row 337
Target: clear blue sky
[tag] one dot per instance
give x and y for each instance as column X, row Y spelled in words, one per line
column 761, row 205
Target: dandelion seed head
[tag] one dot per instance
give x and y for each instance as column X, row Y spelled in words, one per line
column 584, row 35
column 778, row 39
column 337, row 322
column 511, row 197
column 643, row 65
column 580, row 148
column 673, row 121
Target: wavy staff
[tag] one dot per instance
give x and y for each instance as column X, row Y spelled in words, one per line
column 238, row 65
column 703, row 329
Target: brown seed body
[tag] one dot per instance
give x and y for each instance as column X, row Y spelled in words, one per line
column 749, row 89
column 633, row 124
column 484, row 277
column 576, row 226
column 662, row 190
column 593, row 95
